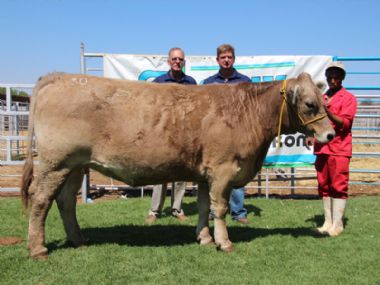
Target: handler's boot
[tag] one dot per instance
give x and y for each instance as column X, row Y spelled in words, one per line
column 328, row 215
column 338, row 212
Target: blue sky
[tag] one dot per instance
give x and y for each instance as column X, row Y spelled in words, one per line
column 41, row 36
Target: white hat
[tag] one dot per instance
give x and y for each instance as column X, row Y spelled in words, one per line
column 337, row 64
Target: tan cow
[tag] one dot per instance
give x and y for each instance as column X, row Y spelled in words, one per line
column 146, row 133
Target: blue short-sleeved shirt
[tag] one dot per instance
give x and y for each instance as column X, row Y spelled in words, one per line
column 166, row 78
column 236, row 77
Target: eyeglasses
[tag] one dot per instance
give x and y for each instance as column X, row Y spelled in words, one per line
column 177, row 58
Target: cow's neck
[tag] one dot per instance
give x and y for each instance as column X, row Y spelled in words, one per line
column 264, row 118
column 267, row 109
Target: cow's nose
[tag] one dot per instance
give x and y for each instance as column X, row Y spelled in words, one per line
column 330, row 136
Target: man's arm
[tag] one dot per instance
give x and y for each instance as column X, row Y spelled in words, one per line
column 338, row 121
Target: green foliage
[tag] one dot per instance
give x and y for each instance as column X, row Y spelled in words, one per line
column 278, row 247
column 14, row 92
column 22, row 93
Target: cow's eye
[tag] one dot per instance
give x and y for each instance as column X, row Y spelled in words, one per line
column 311, row 108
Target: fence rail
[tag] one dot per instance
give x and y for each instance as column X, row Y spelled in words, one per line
column 366, row 132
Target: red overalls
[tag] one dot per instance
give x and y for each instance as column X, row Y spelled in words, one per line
column 333, row 158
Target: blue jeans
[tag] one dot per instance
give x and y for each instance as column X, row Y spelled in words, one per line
column 237, row 203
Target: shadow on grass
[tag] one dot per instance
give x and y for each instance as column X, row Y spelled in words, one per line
column 191, row 209
column 318, row 220
column 173, row 235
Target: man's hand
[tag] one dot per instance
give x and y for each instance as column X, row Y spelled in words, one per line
column 338, row 121
column 308, row 142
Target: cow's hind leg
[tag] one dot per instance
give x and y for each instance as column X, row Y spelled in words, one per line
column 203, row 230
column 66, row 201
column 44, row 189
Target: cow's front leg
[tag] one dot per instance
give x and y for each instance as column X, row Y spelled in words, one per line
column 219, row 205
column 203, row 230
column 220, row 195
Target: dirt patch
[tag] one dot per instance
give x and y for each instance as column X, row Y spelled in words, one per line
column 10, row 240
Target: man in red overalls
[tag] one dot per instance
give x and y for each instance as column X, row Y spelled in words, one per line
column 333, row 158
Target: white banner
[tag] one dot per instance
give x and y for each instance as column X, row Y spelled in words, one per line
column 259, row 68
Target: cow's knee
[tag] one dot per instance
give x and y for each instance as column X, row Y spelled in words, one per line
column 220, row 212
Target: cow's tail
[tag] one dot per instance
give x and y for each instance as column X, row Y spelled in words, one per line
column 27, row 171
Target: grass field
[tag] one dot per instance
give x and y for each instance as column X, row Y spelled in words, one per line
column 278, row 247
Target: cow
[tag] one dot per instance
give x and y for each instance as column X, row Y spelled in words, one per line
column 144, row 133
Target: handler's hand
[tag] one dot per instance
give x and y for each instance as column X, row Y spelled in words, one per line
column 308, row 142
column 326, row 109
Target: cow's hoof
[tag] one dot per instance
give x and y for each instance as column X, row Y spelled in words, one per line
column 226, row 248
column 334, row 232
column 206, row 241
column 41, row 254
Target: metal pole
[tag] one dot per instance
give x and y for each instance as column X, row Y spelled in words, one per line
column 356, row 58
column 86, row 177
column 82, row 59
column 8, row 98
column 259, row 184
column 292, row 180
column 17, row 130
column 8, row 106
column 266, row 183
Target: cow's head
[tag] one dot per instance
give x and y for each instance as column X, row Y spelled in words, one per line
column 307, row 110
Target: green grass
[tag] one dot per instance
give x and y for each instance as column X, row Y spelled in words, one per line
column 278, row 247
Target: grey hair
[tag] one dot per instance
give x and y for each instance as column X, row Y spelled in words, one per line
column 175, row 48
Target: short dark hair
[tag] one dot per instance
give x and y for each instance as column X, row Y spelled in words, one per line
column 225, row 48
column 337, row 71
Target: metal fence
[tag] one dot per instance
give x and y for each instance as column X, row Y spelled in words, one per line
column 362, row 81
column 366, row 136
column 13, row 124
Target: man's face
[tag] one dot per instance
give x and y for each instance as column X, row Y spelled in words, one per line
column 176, row 60
column 334, row 79
column 226, row 60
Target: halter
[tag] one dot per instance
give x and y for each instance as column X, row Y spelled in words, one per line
column 283, row 92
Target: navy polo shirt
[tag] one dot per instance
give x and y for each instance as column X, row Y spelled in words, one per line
column 166, row 78
column 236, row 77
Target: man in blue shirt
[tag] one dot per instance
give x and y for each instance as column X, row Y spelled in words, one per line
column 176, row 62
column 228, row 75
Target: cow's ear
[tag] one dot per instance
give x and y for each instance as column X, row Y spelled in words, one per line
column 321, row 85
column 304, row 76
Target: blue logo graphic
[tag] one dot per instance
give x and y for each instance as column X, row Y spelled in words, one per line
column 150, row 74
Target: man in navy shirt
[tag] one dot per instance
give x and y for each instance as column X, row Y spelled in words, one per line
column 228, row 75
column 176, row 61
column 175, row 74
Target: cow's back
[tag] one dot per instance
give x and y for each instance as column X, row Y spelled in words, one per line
column 122, row 122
